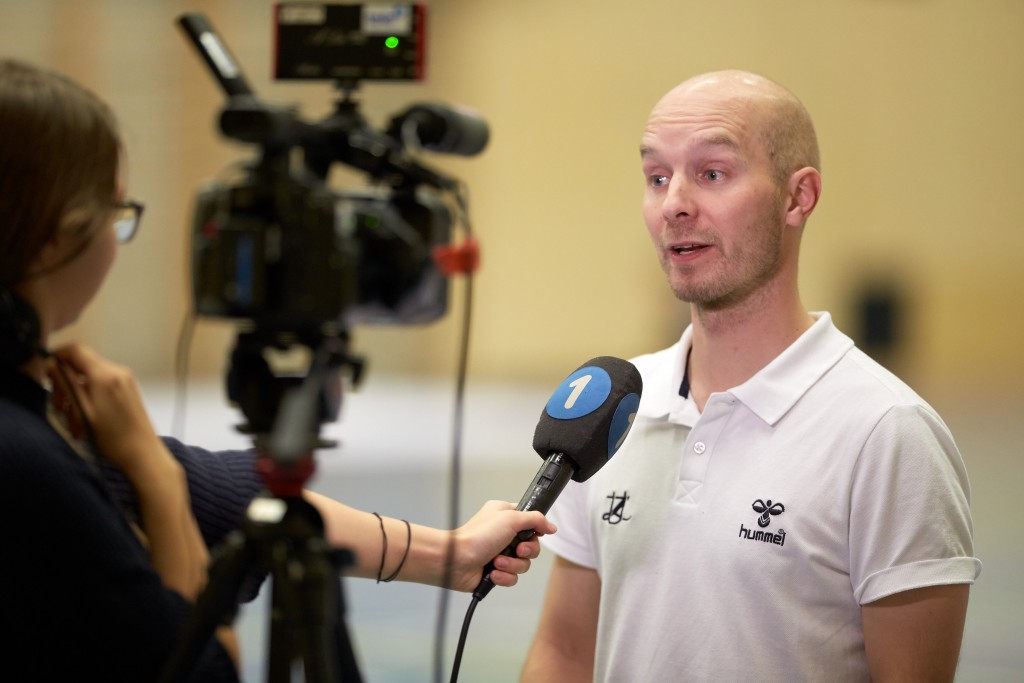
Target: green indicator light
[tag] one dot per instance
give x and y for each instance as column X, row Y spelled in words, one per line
column 391, row 41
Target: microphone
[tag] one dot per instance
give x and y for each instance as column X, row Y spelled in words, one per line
column 441, row 128
column 582, row 426
column 216, row 55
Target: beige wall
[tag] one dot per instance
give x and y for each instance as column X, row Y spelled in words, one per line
column 919, row 106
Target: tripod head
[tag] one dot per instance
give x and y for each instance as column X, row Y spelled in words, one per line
column 284, row 410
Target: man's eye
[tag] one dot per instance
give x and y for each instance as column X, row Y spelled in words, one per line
column 657, row 180
column 713, row 175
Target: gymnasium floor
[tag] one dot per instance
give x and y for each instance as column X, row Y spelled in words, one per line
column 394, row 458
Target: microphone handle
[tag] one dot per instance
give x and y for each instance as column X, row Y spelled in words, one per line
column 551, row 478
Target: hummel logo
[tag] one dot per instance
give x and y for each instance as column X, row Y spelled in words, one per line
column 767, row 510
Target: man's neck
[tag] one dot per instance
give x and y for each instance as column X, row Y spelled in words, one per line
column 732, row 345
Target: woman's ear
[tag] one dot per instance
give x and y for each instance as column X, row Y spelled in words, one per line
column 70, row 237
column 50, row 254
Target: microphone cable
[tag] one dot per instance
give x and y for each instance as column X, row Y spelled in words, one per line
column 462, row 638
column 183, row 348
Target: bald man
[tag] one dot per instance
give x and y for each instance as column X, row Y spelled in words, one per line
column 784, row 508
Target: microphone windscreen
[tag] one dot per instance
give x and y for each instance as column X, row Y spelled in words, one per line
column 589, row 414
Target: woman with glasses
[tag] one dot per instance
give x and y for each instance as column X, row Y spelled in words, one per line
column 107, row 526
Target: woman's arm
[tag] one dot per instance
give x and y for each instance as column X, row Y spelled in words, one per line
column 111, row 403
column 477, row 542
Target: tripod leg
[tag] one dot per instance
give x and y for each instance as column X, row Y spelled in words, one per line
column 329, row 656
column 306, row 621
column 345, row 652
column 281, row 633
column 215, row 605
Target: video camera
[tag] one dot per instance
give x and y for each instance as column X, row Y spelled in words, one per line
column 296, row 262
column 276, row 246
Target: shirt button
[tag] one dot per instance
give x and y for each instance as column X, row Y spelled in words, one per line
column 699, row 447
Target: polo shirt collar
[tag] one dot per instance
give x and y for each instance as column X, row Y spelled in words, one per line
column 660, row 396
column 780, row 384
column 769, row 394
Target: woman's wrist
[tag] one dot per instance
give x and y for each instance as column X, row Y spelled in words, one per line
column 414, row 553
column 149, row 466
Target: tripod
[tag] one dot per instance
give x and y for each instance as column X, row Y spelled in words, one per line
column 282, row 536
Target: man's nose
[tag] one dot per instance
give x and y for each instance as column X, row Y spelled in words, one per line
column 678, row 200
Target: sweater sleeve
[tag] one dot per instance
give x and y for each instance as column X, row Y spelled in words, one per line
column 221, row 484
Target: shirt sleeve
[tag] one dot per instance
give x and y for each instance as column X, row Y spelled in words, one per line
column 910, row 518
column 574, row 540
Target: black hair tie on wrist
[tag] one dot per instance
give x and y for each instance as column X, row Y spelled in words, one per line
column 408, row 542
column 384, row 550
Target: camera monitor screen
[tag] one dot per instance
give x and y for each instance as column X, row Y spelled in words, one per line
column 379, row 41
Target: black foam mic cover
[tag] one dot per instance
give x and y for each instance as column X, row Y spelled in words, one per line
column 589, row 414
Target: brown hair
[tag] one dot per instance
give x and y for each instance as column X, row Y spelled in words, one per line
column 790, row 138
column 59, row 155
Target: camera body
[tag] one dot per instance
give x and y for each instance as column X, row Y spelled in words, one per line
column 291, row 255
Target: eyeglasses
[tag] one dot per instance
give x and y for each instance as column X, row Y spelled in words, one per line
column 126, row 219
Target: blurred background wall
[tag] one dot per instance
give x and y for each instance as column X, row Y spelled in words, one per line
column 915, row 247
column 918, row 105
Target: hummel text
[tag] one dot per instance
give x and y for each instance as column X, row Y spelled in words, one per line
column 763, row 536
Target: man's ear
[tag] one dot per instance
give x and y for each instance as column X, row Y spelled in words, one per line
column 803, row 192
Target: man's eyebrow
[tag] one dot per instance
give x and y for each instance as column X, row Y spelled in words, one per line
column 718, row 140
column 714, row 140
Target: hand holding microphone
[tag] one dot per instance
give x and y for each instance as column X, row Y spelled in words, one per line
column 485, row 535
column 582, row 426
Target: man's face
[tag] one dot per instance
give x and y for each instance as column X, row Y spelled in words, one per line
column 714, row 213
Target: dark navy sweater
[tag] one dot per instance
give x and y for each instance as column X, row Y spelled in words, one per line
column 79, row 599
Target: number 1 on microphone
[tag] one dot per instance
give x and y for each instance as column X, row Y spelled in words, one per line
column 578, row 386
column 629, row 425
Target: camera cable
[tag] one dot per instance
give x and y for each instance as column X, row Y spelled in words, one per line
column 452, row 261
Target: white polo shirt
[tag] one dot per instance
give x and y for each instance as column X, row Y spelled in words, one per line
column 738, row 544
